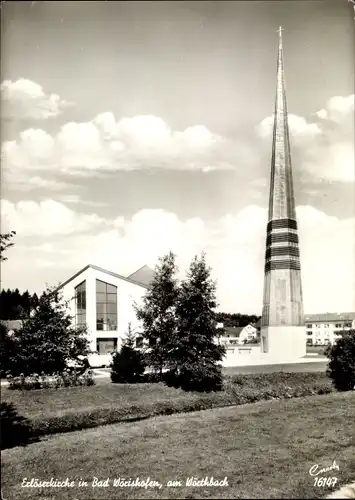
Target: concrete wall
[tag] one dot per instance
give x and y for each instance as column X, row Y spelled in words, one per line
column 284, row 342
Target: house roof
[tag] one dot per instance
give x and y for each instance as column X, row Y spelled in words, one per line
column 143, row 275
column 12, row 324
column 119, row 276
column 325, row 317
column 233, row 331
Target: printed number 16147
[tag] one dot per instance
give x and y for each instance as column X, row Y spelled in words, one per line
column 325, row 481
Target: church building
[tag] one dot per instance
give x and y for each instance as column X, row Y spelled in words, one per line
column 104, row 301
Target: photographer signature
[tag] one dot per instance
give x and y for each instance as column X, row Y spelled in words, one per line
column 316, row 470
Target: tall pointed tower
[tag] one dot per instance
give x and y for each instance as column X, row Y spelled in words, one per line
column 282, row 323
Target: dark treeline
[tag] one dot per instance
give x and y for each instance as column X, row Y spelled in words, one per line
column 14, row 305
column 237, row 319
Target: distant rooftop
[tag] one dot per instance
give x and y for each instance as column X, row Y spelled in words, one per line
column 325, row 317
column 12, row 324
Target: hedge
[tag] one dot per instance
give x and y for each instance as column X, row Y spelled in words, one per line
column 238, row 390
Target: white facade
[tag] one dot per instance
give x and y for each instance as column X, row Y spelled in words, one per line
column 237, row 336
column 323, row 329
column 248, row 333
column 105, row 302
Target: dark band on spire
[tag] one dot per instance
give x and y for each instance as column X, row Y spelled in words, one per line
column 275, row 251
column 282, row 264
column 281, row 237
column 281, row 224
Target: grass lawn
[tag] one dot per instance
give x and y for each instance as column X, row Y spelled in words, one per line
column 265, row 450
column 58, row 402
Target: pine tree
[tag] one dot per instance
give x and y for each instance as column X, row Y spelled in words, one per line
column 157, row 313
column 128, row 364
column 47, row 339
column 34, row 301
column 196, row 354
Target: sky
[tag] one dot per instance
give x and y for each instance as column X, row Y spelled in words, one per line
column 132, row 128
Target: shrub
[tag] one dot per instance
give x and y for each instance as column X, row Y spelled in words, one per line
column 341, row 366
column 127, row 364
column 16, row 430
column 200, row 377
column 66, row 379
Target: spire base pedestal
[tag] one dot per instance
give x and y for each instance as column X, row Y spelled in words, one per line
column 284, row 342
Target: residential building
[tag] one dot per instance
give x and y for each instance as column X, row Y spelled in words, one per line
column 12, row 325
column 322, row 329
column 237, row 335
column 104, row 301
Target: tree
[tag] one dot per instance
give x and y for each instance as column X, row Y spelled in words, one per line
column 196, row 354
column 157, row 313
column 128, row 364
column 47, row 338
column 341, row 366
column 6, row 243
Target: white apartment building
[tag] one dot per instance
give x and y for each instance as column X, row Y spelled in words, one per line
column 322, row 329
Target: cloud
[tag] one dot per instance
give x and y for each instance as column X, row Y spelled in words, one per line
column 337, row 107
column 139, row 142
column 23, row 99
column 75, row 199
column 297, row 125
column 235, row 246
column 323, row 150
column 46, row 218
column 21, row 181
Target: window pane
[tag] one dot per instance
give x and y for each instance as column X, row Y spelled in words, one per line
column 111, row 308
column 112, row 321
column 139, row 342
column 101, row 297
column 100, row 309
column 106, row 346
column 111, row 288
column 112, row 297
column 100, row 286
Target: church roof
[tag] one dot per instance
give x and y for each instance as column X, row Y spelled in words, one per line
column 130, row 279
column 143, row 275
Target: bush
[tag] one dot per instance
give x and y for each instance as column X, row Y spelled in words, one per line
column 15, row 429
column 200, row 377
column 341, row 366
column 127, row 365
column 66, row 379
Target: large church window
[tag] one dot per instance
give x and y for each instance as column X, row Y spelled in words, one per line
column 80, row 304
column 106, row 306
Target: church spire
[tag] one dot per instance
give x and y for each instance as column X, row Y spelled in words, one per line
column 282, row 303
